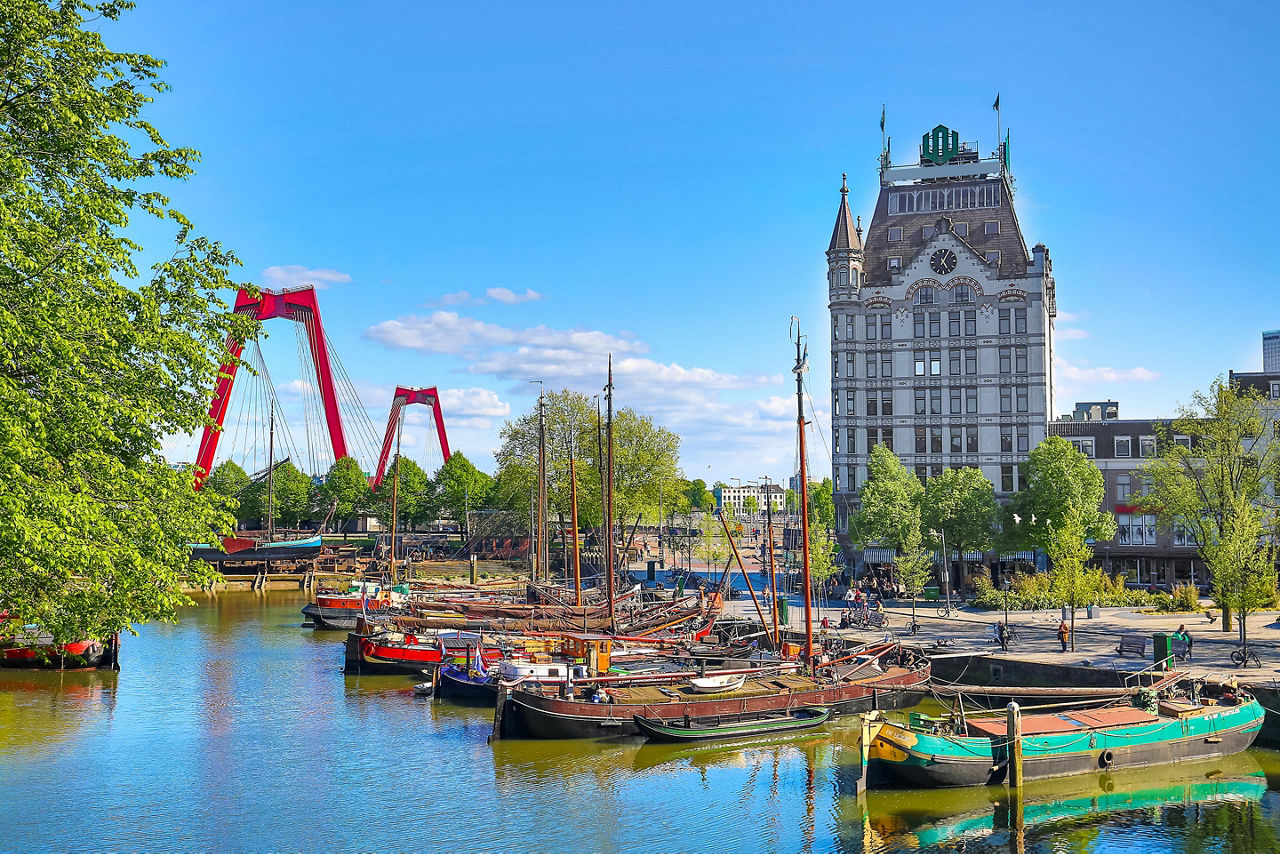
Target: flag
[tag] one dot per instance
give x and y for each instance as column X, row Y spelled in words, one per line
column 996, row 105
column 882, row 118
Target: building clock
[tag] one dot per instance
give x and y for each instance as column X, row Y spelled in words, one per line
column 943, row 261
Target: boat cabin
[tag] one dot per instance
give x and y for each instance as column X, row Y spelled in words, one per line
column 593, row 650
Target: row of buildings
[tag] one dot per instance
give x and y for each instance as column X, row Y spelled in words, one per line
column 942, row 349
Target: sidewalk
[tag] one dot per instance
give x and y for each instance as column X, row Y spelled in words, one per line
column 1095, row 642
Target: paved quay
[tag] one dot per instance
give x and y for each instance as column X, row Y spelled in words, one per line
column 969, row 630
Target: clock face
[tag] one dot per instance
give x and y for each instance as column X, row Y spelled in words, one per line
column 943, row 261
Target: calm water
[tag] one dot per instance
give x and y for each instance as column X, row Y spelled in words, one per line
column 237, row 730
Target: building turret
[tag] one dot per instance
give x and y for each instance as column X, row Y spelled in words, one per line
column 844, row 254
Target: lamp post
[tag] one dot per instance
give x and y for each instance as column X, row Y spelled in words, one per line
column 946, row 569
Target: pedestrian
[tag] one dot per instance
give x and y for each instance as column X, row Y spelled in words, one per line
column 1064, row 634
column 1185, row 636
column 1002, row 635
column 849, row 596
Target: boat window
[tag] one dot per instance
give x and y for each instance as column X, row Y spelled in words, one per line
column 553, row 671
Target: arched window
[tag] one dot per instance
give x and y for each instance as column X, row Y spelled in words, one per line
column 925, row 296
column 961, row 294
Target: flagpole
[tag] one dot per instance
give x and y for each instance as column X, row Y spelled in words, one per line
column 999, row 130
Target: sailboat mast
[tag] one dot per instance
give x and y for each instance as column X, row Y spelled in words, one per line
column 544, row 553
column 773, row 573
column 612, row 556
column 573, row 520
column 799, row 369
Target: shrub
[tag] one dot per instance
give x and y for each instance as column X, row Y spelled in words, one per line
column 1185, row 598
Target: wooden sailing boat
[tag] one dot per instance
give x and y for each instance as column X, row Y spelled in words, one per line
column 801, row 366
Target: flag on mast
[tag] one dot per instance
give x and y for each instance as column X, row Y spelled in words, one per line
column 882, row 118
column 996, row 105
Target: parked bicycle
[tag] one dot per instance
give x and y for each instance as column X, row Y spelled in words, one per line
column 946, row 609
column 1242, row 656
column 912, row 627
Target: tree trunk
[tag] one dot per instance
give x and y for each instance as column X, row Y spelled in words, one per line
column 1073, row 624
column 1226, row 618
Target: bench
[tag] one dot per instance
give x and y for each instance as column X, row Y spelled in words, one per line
column 877, row 619
column 1132, row 645
column 1181, row 649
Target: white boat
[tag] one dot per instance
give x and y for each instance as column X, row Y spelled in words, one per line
column 715, row 684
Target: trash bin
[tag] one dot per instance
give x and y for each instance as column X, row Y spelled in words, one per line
column 1088, row 612
column 1065, row 616
column 782, row 611
column 1163, row 657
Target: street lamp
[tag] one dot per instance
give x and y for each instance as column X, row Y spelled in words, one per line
column 946, row 569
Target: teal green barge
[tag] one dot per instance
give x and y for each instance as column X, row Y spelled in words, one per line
column 977, row 751
column 731, row 726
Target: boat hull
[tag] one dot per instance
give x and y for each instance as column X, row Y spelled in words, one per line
column 374, row 656
column 283, row 550
column 539, row 716
column 457, row 684
column 340, row 617
column 930, row 761
column 81, row 655
column 657, row 729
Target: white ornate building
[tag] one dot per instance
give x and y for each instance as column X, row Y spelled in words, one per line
column 941, row 323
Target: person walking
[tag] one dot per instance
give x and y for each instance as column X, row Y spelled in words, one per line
column 1064, row 634
column 1002, row 635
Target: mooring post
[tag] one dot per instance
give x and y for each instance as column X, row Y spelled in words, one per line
column 474, row 577
column 1013, row 730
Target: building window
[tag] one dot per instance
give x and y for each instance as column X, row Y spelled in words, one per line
column 835, row 327
column 935, row 440
column 886, row 401
column 848, row 365
column 1024, row 438
column 961, row 229
column 922, row 406
column 970, row 324
column 1006, row 360
column 895, row 232
column 873, row 403
column 992, row 256
column 921, row 358
column 925, row 296
column 971, row 401
column 957, row 440
column 935, row 363
column 1146, row 446
column 953, row 324
column 851, row 404
column 835, row 366
column 1007, row 479
column 971, row 439
column 886, row 364
column 1084, row 446
column 961, row 294
column 835, row 440
column 955, row 401
column 1006, row 438
column 1182, row 536
column 1275, row 391
column 871, row 366
column 935, row 324
column 922, row 440
column 1019, row 321
column 1021, row 395
column 1006, row 399
column 935, row 401
column 871, row 327
column 953, row 358
column 1005, row 327
column 835, row 403
column 1123, row 446
column 1135, row 530
column 965, row 197
column 922, row 473
column 918, row 326
column 1020, row 360
column 991, row 227
column 1124, row 488
column 895, row 263
column 970, row 362
column 928, row 231
column 1184, row 441
column 886, row 327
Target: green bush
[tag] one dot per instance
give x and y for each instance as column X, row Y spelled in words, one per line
column 1185, row 598
column 1033, row 592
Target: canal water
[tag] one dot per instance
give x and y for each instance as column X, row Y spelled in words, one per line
column 237, row 730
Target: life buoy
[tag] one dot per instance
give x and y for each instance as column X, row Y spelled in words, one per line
column 1105, row 759
column 410, row 640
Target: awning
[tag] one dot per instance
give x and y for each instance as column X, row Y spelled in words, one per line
column 1027, row 556
column 878, row 555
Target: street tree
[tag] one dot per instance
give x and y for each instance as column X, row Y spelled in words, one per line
column 913, row 566
column 1242, row 559
column 698, row 496
column 291, row 497
column 1223, row 471
column 1069, row 577
column 229, row 481
column 890, row 500
column 346, row 489
column 101, row 360
column 751, row 505
column 414, row 494
column 1061, row 482
column 960, row 504
column 459, row 487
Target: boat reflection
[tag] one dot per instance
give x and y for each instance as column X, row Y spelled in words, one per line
column 995, row 817
column 43, row 708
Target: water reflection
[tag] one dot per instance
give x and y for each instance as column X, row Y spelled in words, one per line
column 41, row 709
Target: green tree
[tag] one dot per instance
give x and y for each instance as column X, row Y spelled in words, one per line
column 792, row 501
column 751, row 505
column 1069, row 577
column 698, row 496
column 913, row 566
column 960, row 504
column 1220, row 474
column 1242, row 559
column 646, row 462
column 1060, row 482
column 461, row 486
column 100, row 361
column 228, row 481
column 346, row 489
column 890, row 500
column 292, row 497
column 414, row 494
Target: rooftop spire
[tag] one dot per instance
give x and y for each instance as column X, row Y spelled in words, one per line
column 845, row 235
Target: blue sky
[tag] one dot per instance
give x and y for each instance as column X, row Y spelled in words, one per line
column 660, row 180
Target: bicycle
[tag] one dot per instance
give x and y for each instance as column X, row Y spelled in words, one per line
column 1241, row 657
column 945, row 610
column 912, row 627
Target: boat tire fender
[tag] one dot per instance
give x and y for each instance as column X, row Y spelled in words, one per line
column 1105, row 758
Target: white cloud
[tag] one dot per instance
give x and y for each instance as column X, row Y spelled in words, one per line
column 473, row 401
column 1070, row 334
column 1070, row 316
column 506, row 296
column 296, row 386
column 455, row 298
column 292, row 275
column 1104, row 374
column 450, row 332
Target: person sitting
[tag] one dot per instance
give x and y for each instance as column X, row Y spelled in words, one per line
column 1183, row 635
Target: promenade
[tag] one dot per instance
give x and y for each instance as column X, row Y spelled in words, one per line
column 968, row 631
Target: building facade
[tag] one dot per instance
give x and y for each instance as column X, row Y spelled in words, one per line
column 941, row 323
column 1271, row 352
column 734, row 498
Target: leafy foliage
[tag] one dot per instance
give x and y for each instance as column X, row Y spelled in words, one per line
column 346, row 485
column 891, row 498
column 459, row 485
column 960, row 503
column 1060, row 482
column 413, row 491
column 100, row 361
